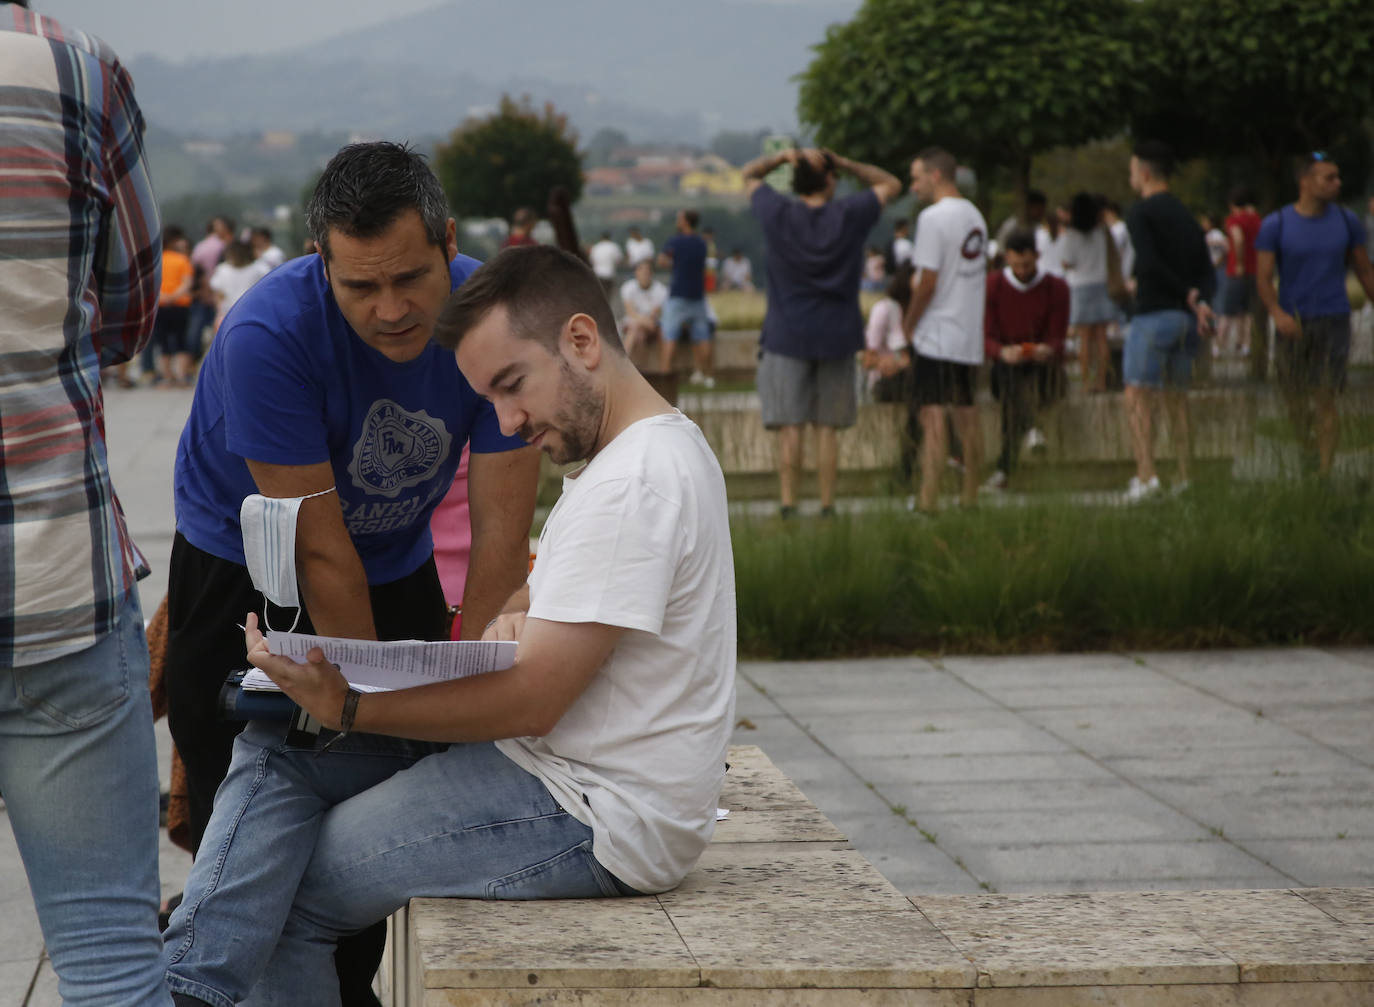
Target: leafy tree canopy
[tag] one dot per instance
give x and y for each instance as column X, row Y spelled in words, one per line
column 994, row 81
column 491, row 167
column 1262, row 79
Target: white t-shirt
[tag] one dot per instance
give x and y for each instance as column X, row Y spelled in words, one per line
column 1051, row 250
column 1084, row 256
column 636, row 251
column 737, row 273
column 950, row 237
column 272, row 257
column 640, row 538
column 606, row 256
column 884, row 329
column 1124, row 249
column 1217, row 247
column 902, row 249
column 233, row 282
column 645, row 302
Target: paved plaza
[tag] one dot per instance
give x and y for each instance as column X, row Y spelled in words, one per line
column 1091, row 772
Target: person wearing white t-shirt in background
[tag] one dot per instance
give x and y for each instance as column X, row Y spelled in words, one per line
column 265, row 250
column 1084, row 258
column 638, row 248
column 606, row 257
column 643, row 298
column 234, row 277
column 944, row 321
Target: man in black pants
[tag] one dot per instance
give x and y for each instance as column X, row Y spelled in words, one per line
column 325, row 411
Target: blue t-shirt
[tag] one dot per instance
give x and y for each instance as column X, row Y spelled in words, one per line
column 1311, row 262
column 689, row 266
column 815, row 261
column 288, row 382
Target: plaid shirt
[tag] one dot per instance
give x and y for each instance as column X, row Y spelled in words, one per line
column 80, row 267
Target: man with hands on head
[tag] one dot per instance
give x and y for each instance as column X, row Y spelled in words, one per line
column 589, row 768
column 813, row 327
column 326, row 427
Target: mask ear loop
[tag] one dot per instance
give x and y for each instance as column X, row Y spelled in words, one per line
column 265, row 621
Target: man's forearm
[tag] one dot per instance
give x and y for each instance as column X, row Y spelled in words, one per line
column 920, row 300
column 496, row 573
column 762, row 165
column 869, row 174
column 334, row 590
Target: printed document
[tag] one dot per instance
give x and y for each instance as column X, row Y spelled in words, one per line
column 372, row 666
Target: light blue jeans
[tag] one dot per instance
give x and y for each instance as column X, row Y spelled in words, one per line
column 301, row 850
column 78, row 768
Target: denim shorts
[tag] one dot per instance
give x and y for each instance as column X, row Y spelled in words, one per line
column 689, row 312
column 1090, row 304
column 1160, row 346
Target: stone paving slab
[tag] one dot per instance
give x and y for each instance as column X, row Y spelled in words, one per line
column 1057, row 866
column 1348, row 905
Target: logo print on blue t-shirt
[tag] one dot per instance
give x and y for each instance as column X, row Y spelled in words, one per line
column 397, row 449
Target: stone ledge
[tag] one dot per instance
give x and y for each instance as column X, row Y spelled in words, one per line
column 781, row 911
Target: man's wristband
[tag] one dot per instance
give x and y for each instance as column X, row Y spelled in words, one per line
column 346, row 718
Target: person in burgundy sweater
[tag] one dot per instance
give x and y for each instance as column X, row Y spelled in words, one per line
column 1024, row 326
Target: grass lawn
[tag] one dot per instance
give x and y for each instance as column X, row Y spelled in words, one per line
column 1223, row 565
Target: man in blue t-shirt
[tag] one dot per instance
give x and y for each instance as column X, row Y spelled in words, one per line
column 813, row 326
column 323, row 385
column 685, row 254
column 1309, row 245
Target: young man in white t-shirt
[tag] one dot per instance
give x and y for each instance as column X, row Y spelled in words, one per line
column 638, row 248
column 945, row 321
column 590, row 768
column 643, row 298
column 606, row 257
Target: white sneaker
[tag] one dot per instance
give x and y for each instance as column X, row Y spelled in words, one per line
column 996, row 483
column 1137, row 491
column 1035, row 440
column 697, row 378
column 708, row 382
column 1179, row 488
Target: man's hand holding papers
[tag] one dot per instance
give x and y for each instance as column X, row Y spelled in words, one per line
column 317, row 686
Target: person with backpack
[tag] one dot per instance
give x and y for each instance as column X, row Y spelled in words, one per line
column 1308, row 245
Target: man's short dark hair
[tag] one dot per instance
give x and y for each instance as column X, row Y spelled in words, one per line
column 1309, row 161
column 540, row 286
column 941, row 160
column 171, row 233
column 1241, row 196
column 807, row 179
column 265, row 233
column 692, row 218
column 901, row 226
column 1157, row 156
column 1020, row 240
column 366, row 186
column 1034, row 197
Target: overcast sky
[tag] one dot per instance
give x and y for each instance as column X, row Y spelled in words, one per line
column 178, row 29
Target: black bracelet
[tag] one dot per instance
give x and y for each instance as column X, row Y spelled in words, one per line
column 346, row 718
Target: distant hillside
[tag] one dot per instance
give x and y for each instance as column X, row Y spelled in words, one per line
column 653, row 70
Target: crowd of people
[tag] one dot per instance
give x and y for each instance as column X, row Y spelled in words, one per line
column 200, row 284
column 1167, row 287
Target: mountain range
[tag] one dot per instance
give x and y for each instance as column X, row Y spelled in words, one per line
column 654, row 70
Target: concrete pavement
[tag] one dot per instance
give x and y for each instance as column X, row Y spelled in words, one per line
column 1189, row 770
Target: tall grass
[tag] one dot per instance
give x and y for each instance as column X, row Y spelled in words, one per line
column 1219, row 566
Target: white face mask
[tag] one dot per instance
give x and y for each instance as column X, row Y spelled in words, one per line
column 269, row 548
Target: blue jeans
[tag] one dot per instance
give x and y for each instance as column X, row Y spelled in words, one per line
column 302, row 850
column 78, row 768
column 689, row 311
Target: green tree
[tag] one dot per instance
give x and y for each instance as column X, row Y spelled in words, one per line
column 994, row 81
column 491, row 167
column 1261, row 80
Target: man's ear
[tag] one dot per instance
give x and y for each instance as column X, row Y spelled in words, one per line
column 582, row 339
column 451, row 239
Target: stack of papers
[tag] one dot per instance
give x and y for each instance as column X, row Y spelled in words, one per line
column 371, row 666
